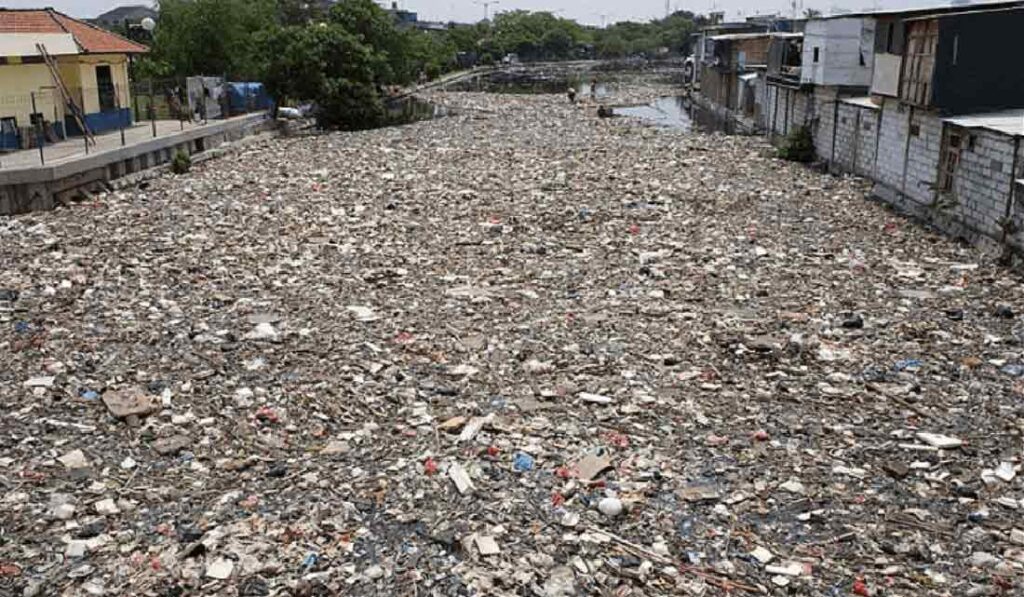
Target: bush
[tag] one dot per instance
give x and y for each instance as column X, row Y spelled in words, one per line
column 350, row 106
column 181, row 162
column 799, row 146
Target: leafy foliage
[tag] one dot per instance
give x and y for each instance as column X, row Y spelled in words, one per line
column 181, row 163
column 328, row 64
column 799, row 146
column 209, row 37
column 343, row 58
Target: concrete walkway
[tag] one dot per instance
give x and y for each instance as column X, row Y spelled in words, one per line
column 74, row 147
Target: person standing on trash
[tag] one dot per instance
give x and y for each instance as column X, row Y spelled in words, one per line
column 572, row 95
column 593, row 89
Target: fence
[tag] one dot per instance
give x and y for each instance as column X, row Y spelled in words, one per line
column 50, row 124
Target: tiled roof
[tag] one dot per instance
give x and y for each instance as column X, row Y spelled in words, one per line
column 91, row 39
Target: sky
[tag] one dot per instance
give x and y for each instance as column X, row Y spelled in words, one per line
column 584, row 11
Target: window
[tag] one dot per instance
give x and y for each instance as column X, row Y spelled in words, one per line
column 952, row 145
column 816, row 54
column 105, row 88
column 890, row 39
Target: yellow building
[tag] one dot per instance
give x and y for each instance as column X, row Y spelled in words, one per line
column 88, row 83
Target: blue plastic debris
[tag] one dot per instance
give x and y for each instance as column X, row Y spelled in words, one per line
column 88, row 394
column 309, row 561
column 523, row 462
column 907, row 364
column 1014, row 369
column 23, row 327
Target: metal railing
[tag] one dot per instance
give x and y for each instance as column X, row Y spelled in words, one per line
column 43, row 126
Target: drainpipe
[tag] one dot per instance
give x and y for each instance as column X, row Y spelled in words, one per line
column 1013, row 185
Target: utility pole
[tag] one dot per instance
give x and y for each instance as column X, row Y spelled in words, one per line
column 668, row 8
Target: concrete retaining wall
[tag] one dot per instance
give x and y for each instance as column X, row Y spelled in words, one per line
column 44, row 187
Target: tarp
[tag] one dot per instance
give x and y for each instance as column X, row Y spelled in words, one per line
column 248, row 97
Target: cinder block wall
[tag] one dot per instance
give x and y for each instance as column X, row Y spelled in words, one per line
column 846, row 138
column 981, row 189
column 867, row 142
column 824, row 117
column 923, row 157
column 891, row 145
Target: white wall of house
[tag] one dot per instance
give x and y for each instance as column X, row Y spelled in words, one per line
column 844, row 49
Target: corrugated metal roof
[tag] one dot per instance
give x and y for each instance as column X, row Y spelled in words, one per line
column 961, row 13
column 740, row 36
column 922, row 10
column 861, row 102
column 91, row 39
column 1009, row 122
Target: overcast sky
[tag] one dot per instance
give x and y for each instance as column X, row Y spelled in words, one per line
column 587, row 11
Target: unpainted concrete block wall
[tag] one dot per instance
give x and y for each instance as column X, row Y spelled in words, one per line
column 982, row 185
column 923, row 157
column 892, row 145
column 824, row 121
column 867, row 142
column 788, row 109
column 845, row 144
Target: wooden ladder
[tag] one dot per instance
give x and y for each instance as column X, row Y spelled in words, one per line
column 69, row 101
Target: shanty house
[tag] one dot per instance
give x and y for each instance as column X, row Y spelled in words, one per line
column 955, row 63
column 76, row 73
column 731, row 57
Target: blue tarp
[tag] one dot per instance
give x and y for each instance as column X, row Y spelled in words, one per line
column 8, row 141
column 248, row 97
column 101, row 122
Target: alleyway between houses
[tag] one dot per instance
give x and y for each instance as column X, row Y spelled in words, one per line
column 518, row 350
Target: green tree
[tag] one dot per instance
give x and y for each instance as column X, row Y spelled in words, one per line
column 611, row 46
column 375, row 28
column 211, row 37
column 329, row 65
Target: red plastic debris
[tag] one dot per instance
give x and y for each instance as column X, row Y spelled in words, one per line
column 563, row 472
column 404, row 338
column 634, row 229
column 616, row 439
column 266, row 415
column 493, row 451
column 761, row 435
column 557, row 499
column 859, row 588
column 430, row 466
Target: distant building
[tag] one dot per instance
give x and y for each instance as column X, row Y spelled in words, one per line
column 403, row 18
column 125, row 16
column 91, row 64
